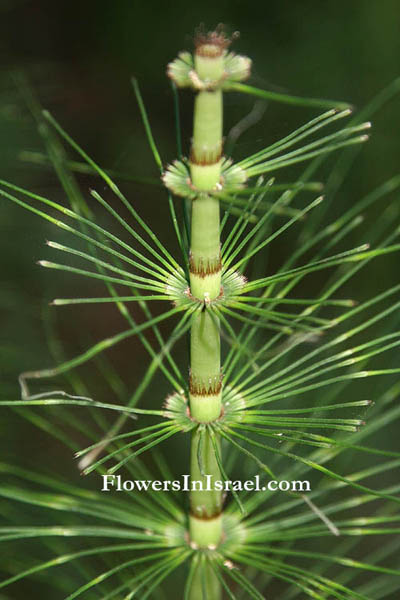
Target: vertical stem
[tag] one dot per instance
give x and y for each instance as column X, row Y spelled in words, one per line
column 205, row 583
column 207, row 501
column 205, row 367
column 213, row 70
column 205, row 170
column 205, row 521
column 205, row 260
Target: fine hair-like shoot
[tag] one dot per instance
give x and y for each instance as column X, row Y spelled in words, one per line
column 256, row 339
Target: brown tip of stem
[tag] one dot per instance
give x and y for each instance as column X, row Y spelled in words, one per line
column 211, row 44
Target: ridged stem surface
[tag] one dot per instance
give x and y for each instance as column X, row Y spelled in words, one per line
column 205, row 521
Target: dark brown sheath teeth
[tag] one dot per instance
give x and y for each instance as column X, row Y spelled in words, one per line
column 205, row 159
column 203, row 268
column 204, row 516
column 199, row 388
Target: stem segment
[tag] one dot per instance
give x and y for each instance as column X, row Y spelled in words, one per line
column 205, row 522
column 213, row 70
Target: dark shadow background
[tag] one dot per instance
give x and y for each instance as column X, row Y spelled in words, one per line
column 79, row 58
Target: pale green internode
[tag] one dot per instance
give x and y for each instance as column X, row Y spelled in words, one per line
column 205, row 498
column 205, row 166
column 205, row 533
column 205, row 160
column 205, row 364
column 205, row 239
column 205, row 269
column 205, row 409
column 207, row 287
column 210, row 69
column 207, row 129
column 205, row 348
column 206, row 178
column 205, row 583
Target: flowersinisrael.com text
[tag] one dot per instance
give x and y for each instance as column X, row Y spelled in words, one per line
column 186, row 484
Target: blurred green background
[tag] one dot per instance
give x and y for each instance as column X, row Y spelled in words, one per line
column 78, row 58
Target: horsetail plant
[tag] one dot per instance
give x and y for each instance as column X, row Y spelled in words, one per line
column 252, row 343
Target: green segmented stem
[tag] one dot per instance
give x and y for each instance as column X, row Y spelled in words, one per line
column 205, row 367
column 205, row 263
column 207, row 125
column 205, row 171
column 205, row 503
column 205, row 583
column 205, row 520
